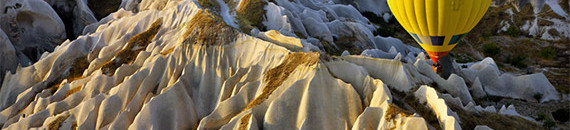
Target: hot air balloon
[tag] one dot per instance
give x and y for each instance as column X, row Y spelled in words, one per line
column 438, row 25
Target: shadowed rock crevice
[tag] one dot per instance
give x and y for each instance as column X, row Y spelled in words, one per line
column 67, row 17
column 102, row 8
column 75, row 15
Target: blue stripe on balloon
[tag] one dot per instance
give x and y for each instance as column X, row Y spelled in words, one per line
column 437, row 40
column 455, row 39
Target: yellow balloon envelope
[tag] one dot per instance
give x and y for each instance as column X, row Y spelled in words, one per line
column 437, row 25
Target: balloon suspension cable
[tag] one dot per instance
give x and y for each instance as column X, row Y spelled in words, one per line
column 437, row 67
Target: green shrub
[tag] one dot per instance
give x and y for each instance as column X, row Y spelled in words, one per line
column 513, row 31
column 562, row 89
column 541, row 116
column 517, row 60
column 548, row 124
column 547, row 53
column 561, row 115
column 491, row 49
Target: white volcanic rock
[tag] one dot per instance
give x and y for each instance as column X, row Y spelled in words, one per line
column 477, row 89
column 319, row 94
column 91, row 28
column 393, row 45
column 556, row 7
column 511, row 111
column 370, row 118
column 277, row 20
column 471, row 107
column 317, row 29
column 536, row 4
column 32, row 27
column 482, row 127
column 375, row 53
column 373, row 92
column 507, row 85
column 447, row 118
column 8, row 56
column 378, row 7
column 558, row 30
column 355, row 30
column 397, row 75
column 166, row 111
column 332, row 23
column 376, row 118
column 273, row 36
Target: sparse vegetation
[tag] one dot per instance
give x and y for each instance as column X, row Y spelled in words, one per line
column 422, row 109
column 250, row 15
column 554, row 33
column 300, row 35
column 427, row 113
column 491, row 50
column 518, row 60
column 76, row 70
column 393, row 111
column 547, row 53
column 207, row 29
column 494, row 120
column 540, row 117
column 563, row 89
column 488, row 98
column 244, row 121
column 513, row 31
column 488, row 26
column 330, row 48
column 549, row 124
column 347, row 43
column 209, row 4
column 56, row 123
column 462, row 58
column 72, row 91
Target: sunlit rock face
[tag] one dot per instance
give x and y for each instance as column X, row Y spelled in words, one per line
column 194, row 64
